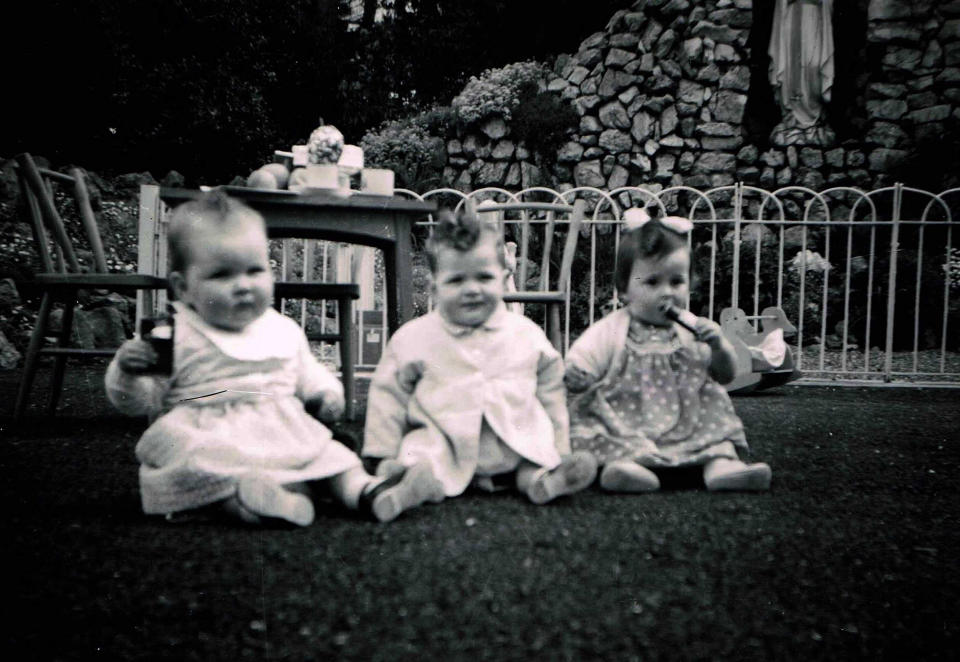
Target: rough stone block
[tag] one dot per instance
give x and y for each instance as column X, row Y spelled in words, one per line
column 904, row 59
column 895, row 32
column 834, row 157
column 628, row 95
column 883, row 159
column 590, row 124
column 728, row 106
column 614, row 81
column 577, row 75
column 773, row 158
column 671, row 68
column 748, row 154
column 665, row 44
column 886, row 90
column 692, row 48
column 624, row 40
column 668, row 121
column 736, row 78
column 710, row 162
column 855, row 158
column 785, row 176
column 811, row 158
column 721, row 34
column 642, row 127
column 585, row 104
column 717, row 129
column 952, row 54
column 614, row 115
column 590, row 57
column 617, row 57
column 725, row 53
column 708, row 74
column 888, row 9
column 714, row 143
column 503, row 150
column 652, row 32
column 619, row 176
column 587, row 173
column 921, row 100
column 690, row 92
column 615, row 141
column 887, row 109
column 931, row 114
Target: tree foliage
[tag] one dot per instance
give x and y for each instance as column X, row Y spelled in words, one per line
column 211, row 88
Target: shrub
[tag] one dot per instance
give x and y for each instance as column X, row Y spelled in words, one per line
column 407, row 147
column 543, row 122
column 498, row 92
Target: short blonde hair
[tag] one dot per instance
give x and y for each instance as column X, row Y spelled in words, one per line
column 212, row 208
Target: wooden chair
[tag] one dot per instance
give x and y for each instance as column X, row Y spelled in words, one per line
column 62, row 278
column 344, row 294
column 552, row 297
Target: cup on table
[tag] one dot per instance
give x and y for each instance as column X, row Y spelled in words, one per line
column 301, row 155
column 376, row 181
column 324, row 175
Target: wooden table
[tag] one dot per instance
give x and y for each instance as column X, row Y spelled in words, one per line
column 381, row 222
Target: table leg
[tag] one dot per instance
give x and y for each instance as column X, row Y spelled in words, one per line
column 398, row 265
column 404, row 271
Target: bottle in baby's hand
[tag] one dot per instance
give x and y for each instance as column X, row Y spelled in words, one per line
column 684, row 318
column 159, row 333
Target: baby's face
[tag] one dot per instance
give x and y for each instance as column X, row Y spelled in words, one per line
column 228, row 281
column 655, row 281
column 468, row 286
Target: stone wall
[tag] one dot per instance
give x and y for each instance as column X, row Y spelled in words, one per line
column 662, row 92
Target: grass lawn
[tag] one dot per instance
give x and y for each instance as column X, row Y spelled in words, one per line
column 852, row 555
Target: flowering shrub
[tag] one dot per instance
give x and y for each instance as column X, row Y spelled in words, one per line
column 952, row 268
column 408, row 148
column 814, row 261
column 498, row 91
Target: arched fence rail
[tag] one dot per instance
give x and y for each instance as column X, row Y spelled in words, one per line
column 870, row 279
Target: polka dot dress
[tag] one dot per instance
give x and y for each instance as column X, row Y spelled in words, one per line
column 661, row 408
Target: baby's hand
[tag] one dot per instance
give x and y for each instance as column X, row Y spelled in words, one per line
column 328, row 408
column 136, row 356
column 709, row 332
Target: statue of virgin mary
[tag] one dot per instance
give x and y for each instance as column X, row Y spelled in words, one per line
column 801, row 69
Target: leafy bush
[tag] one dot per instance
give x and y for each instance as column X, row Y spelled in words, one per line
column 407, row 147
column 543, row 122
column 498, row 92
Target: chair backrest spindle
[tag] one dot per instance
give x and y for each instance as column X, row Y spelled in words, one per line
column 48, row 209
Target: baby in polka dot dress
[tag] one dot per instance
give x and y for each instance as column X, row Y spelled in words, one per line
column 646, row 392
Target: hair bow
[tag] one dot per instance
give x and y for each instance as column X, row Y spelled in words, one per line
column 636, row 217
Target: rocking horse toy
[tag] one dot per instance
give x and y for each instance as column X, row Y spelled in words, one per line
column 763, row 359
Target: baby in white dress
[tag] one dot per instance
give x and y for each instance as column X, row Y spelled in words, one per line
column 235, row 430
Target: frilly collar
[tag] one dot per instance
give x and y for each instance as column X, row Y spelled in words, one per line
column 270, row 336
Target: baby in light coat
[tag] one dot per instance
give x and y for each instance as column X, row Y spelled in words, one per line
column 472, row 389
